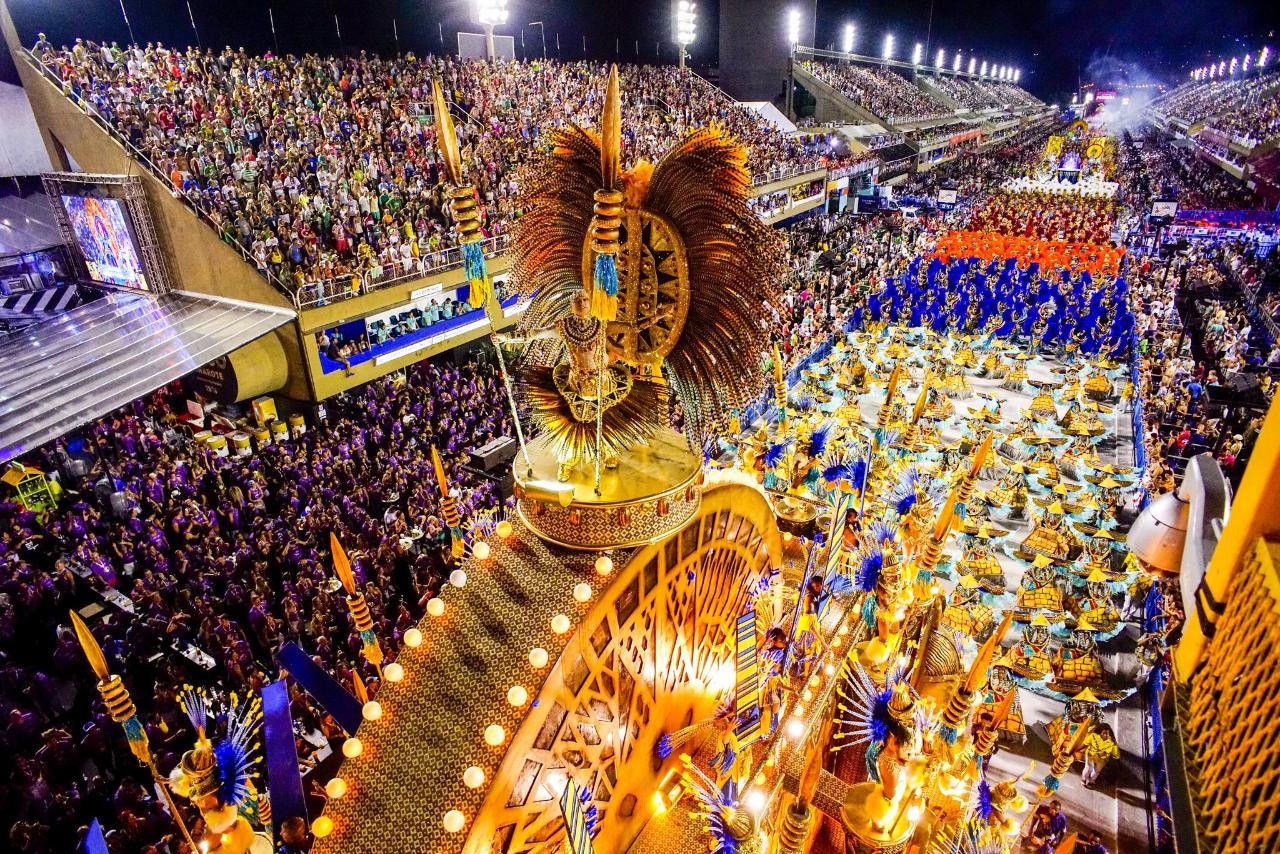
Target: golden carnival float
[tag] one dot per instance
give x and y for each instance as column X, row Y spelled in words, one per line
column 695, row 633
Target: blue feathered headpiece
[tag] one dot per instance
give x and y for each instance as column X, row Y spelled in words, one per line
column 818, row 440
column 773, row 456
column 236, row 753
column 880, row 531
column 868, row 568
column 905, row 494
column 839, row 464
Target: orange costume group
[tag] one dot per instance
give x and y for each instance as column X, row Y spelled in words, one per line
column 1096, row 258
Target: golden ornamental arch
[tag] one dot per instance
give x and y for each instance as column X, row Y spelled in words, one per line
column 653, row 654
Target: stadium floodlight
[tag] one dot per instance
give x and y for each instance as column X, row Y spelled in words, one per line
column 489, row 14
column 917, row 55
column 1213, row 71
column 888, row 46
column 983, row 72
column 940, row 58
column 686, row 26
column 793, row 27
column 1263, row 57
column 1248, row 60
column 973, row 63
column 955, row 65
column 1222, row 68
column 1232, row 67
column 1017, row 75
column 846, row 39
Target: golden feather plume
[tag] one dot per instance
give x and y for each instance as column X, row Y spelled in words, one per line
column 550, row 236
column 341, row 564
column 736, row 265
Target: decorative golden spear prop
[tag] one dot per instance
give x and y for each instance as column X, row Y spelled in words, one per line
column 120, row 705
column 449, row 507
column 462, row 201
column 780, row 385
column 606, row 227
column 1064, row 756
column 371, row 649
column 957, row 709
column 979, row 460
column 886, row 408
column 913, row 426
column 931, row 553
column 984, row 741
column 606, row 224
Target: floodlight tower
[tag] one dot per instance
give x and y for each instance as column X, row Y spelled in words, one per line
column 685, row 22
column 846, row 38
column 955, row 63
column 888, row 46
column 489, row 14
column 940, row 59
column 917, row 55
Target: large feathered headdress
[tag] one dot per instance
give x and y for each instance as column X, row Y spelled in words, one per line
column 734, row 262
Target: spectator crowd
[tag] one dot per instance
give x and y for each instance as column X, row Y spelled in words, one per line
column 225, row 555
column 324, row 169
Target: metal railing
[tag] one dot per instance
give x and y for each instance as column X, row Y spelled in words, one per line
column 350, row 285
column 781, row 173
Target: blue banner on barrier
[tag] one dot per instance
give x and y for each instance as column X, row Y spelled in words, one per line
column 284, row 782
column 327, row 691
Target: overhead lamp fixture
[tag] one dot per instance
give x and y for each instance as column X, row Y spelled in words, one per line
column 491, row 13
column 846, row 38
column 917, row 55
column 686, row 22
column 888, row 46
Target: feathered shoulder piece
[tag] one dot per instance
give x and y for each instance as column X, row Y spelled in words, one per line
column 550, row 236
column 736, row 267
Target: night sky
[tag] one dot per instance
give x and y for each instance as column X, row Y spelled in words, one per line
column 1056, row 43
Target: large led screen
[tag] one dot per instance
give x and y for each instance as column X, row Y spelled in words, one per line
column 102, row 233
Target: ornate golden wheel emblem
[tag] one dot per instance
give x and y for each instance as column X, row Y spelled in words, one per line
column 653, row 288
